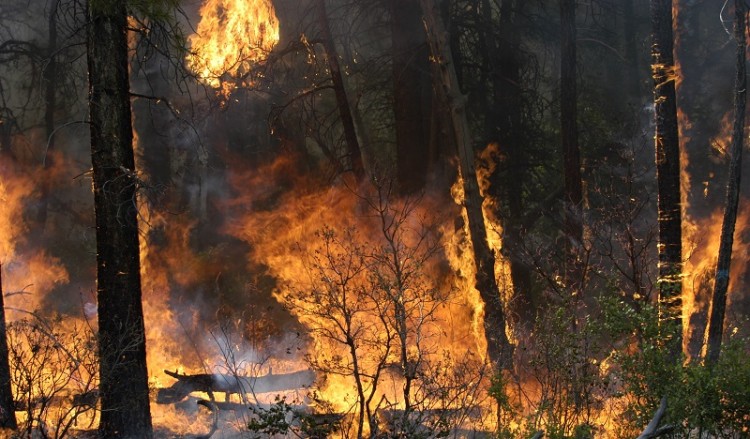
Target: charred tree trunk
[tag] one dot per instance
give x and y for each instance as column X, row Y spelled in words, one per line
column 721, row 283
column 631, row 51
column 500, row 351
column 573, row 199
column 411, row 94
column 504, row 125
column 345, row 112
column 7, row 405
column 122, row 345
column 668, row 171
column 50, row 104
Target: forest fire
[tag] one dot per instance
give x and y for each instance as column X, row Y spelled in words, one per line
column 231, row 36
column 378, row 240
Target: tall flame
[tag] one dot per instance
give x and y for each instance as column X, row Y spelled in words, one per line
column 231, row 36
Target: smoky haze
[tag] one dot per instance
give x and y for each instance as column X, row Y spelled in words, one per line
column 235, row 182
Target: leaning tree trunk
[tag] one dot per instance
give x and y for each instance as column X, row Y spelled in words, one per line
column 345, row 112
column 668, row 172
column 122, row 345
column 7, row 406
column 499, row 349
column 721, row 283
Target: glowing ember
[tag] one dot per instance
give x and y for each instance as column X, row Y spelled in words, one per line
column 231, row 36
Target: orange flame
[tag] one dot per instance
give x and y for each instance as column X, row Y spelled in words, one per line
column 231, row 36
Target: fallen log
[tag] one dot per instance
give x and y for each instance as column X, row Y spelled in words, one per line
column 232, row 384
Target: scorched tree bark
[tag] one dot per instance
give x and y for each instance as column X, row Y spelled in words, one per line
column 667, row 170
column 342, row 101
column 499, row 349
column 122, row 346
column 7, row 406
column 721, row 283
column 573, row 201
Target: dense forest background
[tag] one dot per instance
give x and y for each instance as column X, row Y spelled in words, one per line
column 308, row 205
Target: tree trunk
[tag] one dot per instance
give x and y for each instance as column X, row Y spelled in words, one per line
column 7, row 406
column 122, row 347
column 667, row 170
column 631, row 51
column 504, row 124
column 721, row 283
column 50, row 104
column 347, row 121
column 573, row 199
column 499, row 349
column 411, row 94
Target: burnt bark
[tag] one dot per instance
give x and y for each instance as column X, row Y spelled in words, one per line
column 631, row 50
column 339, row 88
column 411, row 94
column 50, row 106
column 504, row 124
column 573, row 198
column 7, row 405
column 499, row 349
column 721, row 282
column 667, row 171
column 122, row 345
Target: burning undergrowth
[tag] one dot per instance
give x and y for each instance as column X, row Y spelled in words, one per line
column 367, row 274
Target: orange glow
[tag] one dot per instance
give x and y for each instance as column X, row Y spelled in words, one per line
column 285, row 239
column 232, row 35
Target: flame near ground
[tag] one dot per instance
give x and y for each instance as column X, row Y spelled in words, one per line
column 303, row 236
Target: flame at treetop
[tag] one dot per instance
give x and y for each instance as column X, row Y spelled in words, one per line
column 231, row 36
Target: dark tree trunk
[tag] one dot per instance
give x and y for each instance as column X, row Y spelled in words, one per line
column 573, row 199
column 504, row 124
column 721, row 283
column 125, row 409
column 631, row 50
column 347, row 121
column 50, row 104
column 667, row 170
column 7, row 406
column 411, row 94
column 499, row 349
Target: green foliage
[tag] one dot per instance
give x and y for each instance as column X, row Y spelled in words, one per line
column 619, row 359
column 560, row 360
column 157, row 10
column 711, row 399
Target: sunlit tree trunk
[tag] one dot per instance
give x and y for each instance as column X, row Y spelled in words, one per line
column 573, row 194
column 345, row 113
column 123, row 385
column 721, row 282
column 667, row 170
column 7, row 406
column 499, row 349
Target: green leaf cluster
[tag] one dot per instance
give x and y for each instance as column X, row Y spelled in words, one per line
column 708, row 399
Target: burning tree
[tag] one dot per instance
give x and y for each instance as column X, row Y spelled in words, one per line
column 374, row 317
column 667, row 169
